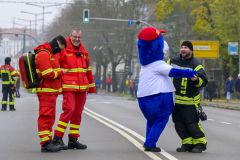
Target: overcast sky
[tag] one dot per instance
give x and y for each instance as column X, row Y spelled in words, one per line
column 10, row 10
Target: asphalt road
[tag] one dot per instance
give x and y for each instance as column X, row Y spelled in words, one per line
column 113, row 129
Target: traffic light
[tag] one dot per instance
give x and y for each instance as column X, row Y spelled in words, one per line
column 127, row 69
column 86, row 15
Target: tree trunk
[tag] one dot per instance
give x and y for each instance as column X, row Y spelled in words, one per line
column 114, row 80
column 104, row 76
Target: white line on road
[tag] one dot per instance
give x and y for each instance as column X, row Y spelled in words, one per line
column 105, row 102
column 225, row 122
column 164, row 153
column 210, row 119
column 132, row 140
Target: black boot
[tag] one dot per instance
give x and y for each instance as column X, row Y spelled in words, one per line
column 13, row 109
column 185, row 148
column 153, row 149
column 3, row 109
column 57, row 141
column 199, row 148
column 49, row 147
column 73, row 143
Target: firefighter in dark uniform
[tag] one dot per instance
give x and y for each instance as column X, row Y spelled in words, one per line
column 187, row 98
column 7, row 72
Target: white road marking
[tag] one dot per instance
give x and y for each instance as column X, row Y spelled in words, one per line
column 105, row 102
column 225, row 122
column 164, row 153
column 132, row 140
column 210, row 119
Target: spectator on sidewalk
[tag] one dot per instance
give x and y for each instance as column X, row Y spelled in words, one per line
column 229, row 87
column 211, row 88
column 131, row 87
column 237, row 87
column 17, row 81
column 96, row 84
column 109, row 82
column 126, row 87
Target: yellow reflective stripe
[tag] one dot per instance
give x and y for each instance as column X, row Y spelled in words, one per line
column 43, row 133
column 12, row 73
column 29, row 67
column 199, row 140
column 6, row 82
column 50, row 134
column 84, row 87
column 11, row 103
column 44, row 139
column 89, row 68
column 186, row 102
column 187, row 141
column 168, row 62
column 199, row 125
column 200, row 82
column 48, row 90
column 56, row 74
column 63, row 123
column 73, row 131
column 71, row 86
column 46, row 71
column 5, row 71
column 183, row 86
column 199, row 67
column 196, row 98
column 60, row 129
column 4, row 102
column 74, row 126
column 92, row 85
column 56, row 69
column 78, row 70
column 38, row 71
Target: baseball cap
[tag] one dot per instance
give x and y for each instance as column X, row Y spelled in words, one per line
column 150, row 33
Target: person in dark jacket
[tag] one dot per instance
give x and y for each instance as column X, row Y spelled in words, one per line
column 187, row 99
column 211, row 88
column 237, row 87
column 229, row 87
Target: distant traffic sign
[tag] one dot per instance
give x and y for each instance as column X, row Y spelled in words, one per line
column 205, row 49
column 130, row 22
column 232, row 48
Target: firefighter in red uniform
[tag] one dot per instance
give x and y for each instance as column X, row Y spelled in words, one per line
column 76, row 83
column 7, row 72
column 48, row 69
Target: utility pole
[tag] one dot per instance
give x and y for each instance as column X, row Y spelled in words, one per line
column 36, row 14
column 43, row 7
column 24, row 38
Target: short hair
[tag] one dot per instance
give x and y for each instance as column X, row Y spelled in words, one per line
column 75, row 30
column 62, row 40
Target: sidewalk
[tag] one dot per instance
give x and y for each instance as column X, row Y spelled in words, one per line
column 223, row 104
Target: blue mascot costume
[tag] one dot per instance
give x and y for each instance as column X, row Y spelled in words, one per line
column 156, row 90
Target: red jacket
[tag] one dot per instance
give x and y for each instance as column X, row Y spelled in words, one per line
column 109, row 81
column 48, row 67
column 79, row 78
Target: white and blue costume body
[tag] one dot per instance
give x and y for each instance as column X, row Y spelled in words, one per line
column 156, row 90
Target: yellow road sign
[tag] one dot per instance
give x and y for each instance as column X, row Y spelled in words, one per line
column 205, row 49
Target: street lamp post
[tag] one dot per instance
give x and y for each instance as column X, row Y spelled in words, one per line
column 36, row 14
column 43, row 7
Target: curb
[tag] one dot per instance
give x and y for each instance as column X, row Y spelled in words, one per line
column 221, row 106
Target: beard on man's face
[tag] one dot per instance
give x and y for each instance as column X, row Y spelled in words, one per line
column 185, row 54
